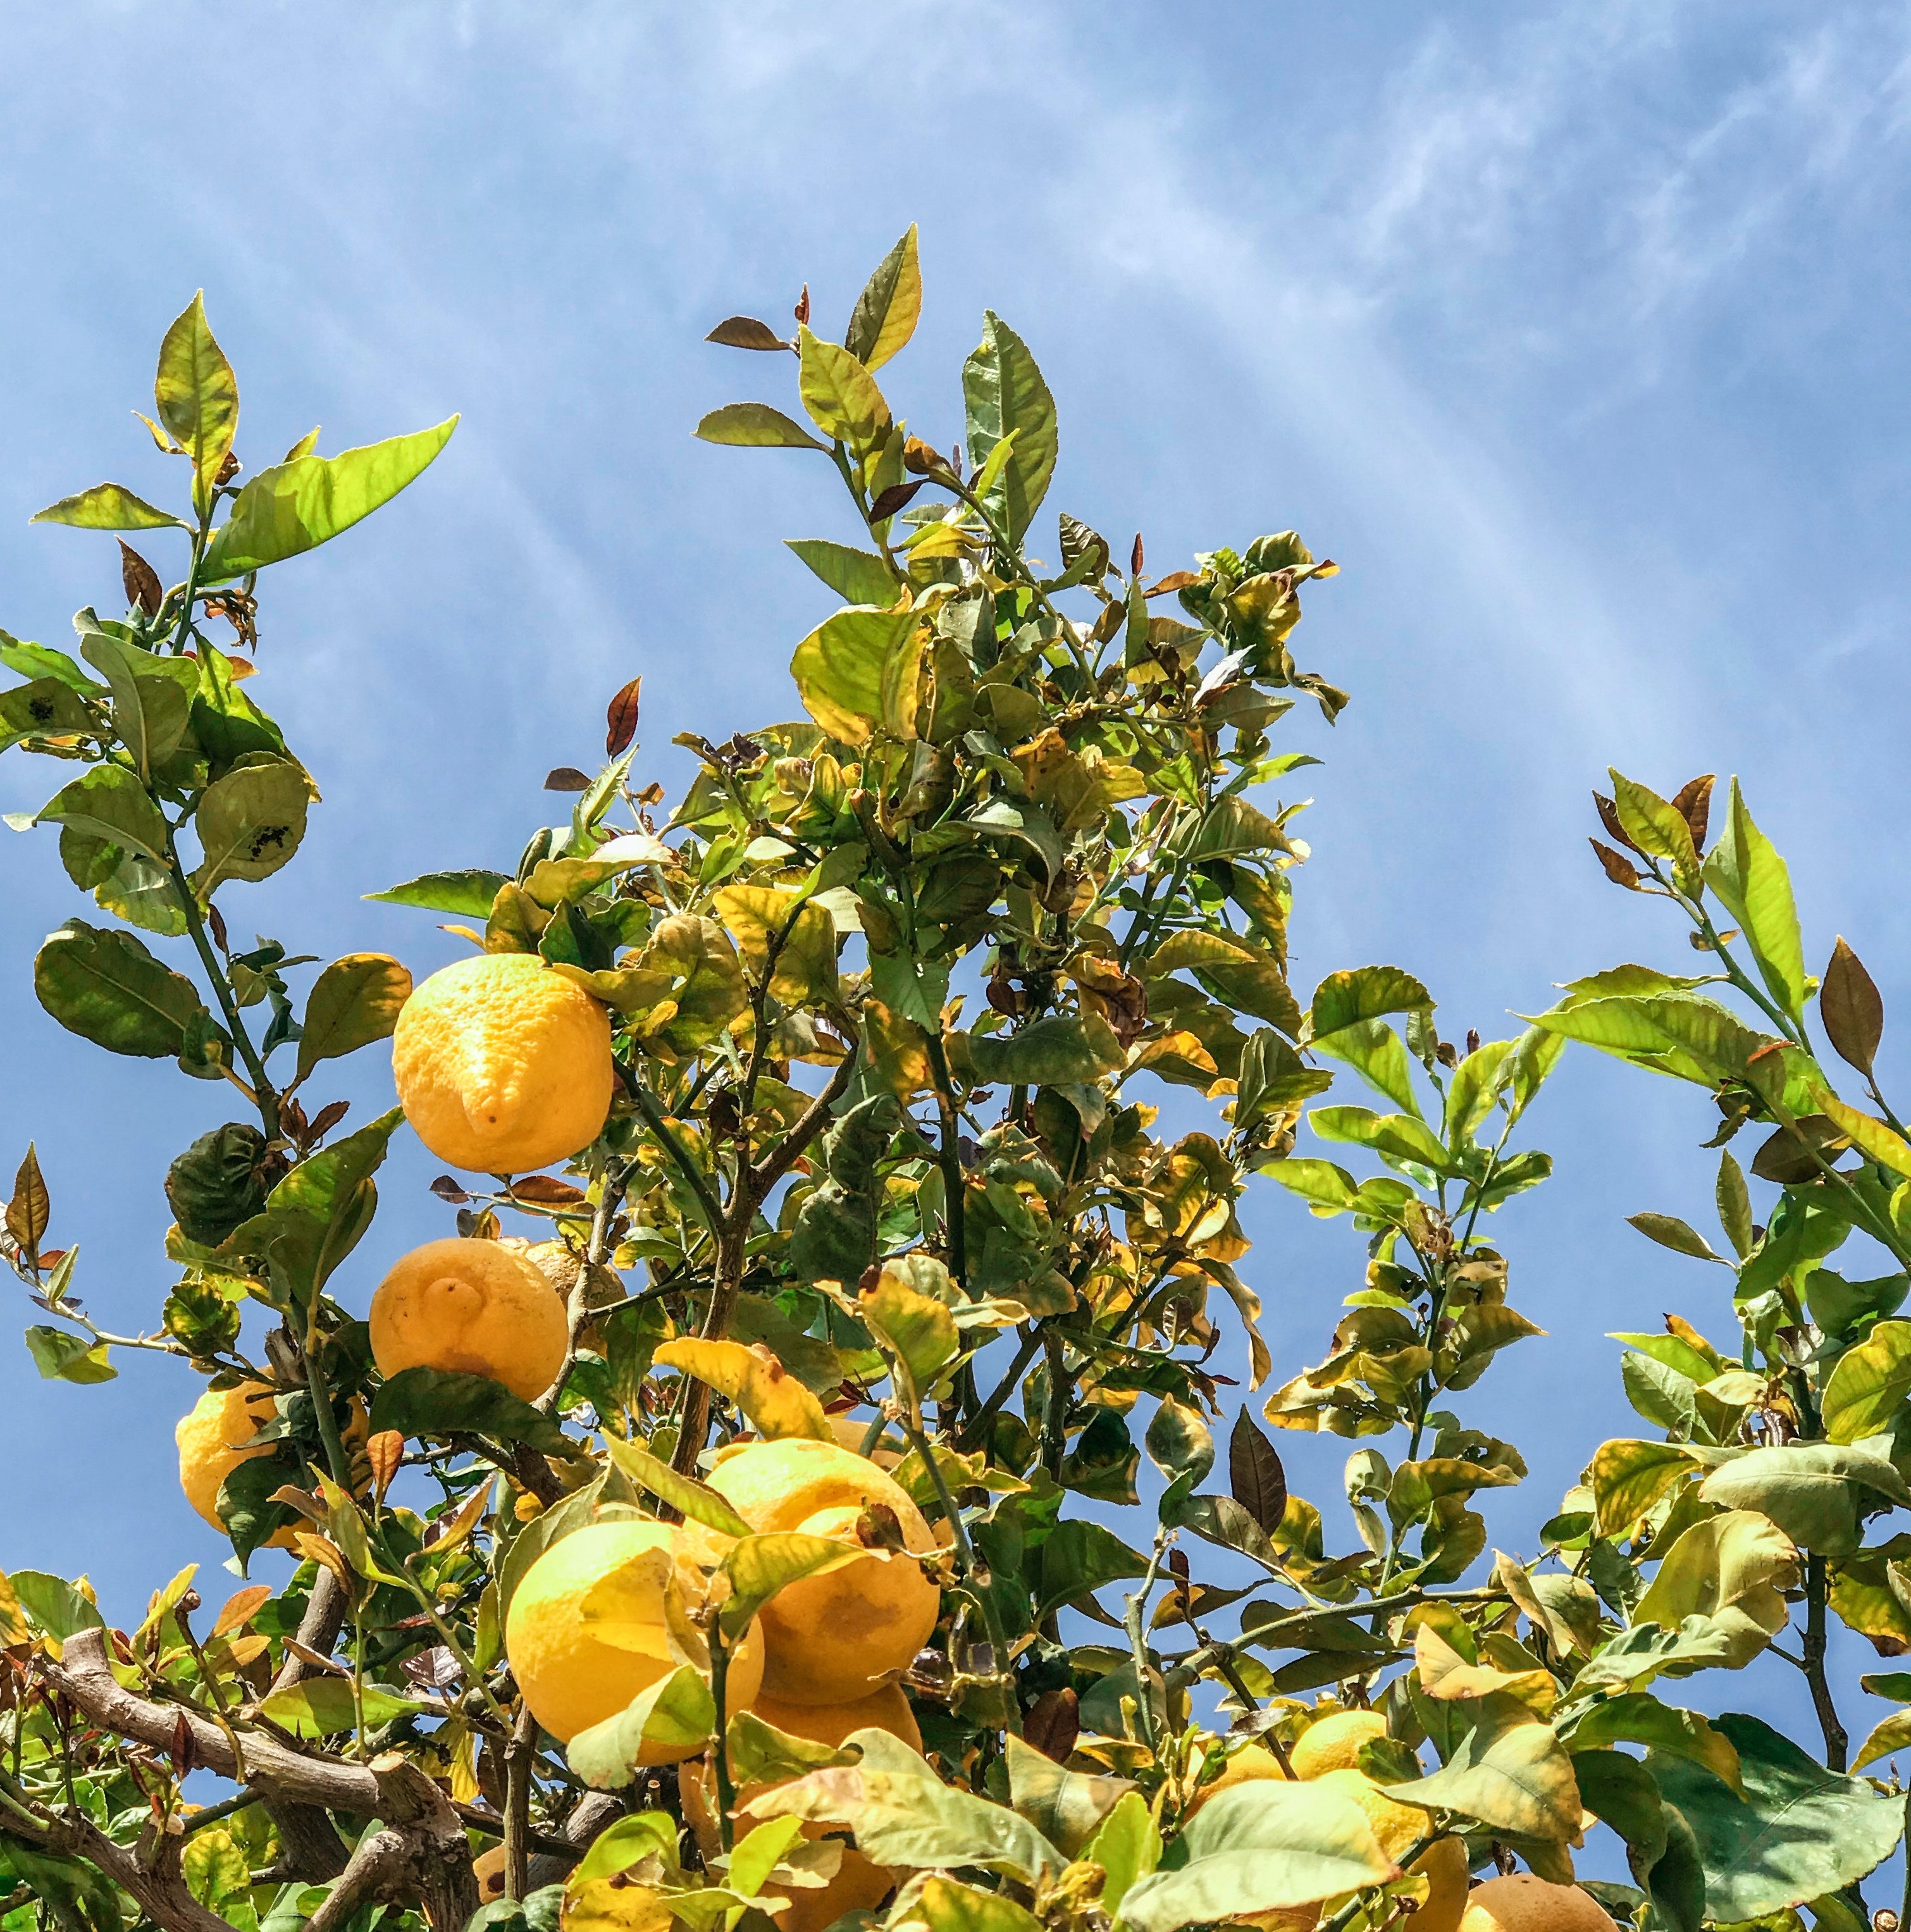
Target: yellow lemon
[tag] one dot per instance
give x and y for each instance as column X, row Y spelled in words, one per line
column 502, row 1065
column 211, row 1437
column 586, row 1634
column 859, row 1885
column 1334, row 1743
column 487, row 1868
column 1525, row 1903
column 475, row 1307
column 832, row 1638
column 1397, row 1827
column 1251, row 1764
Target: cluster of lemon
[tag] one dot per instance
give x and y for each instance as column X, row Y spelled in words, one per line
column 1328, row 1751
column 503, row 1066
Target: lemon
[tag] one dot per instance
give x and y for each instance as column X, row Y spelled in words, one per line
column 1334, row 1743
column 1525, row 1903
column 832, row 1638
column 474, row 1307
column 586, row 1632
column 859, row 1884
column 1398, row 1827
column 1250, row 1765
column 487, row 1868
column 210, row 1438
column 502, row 1065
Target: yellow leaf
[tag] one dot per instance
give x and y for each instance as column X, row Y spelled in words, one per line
column 167, row 1599
column 13, row 1632
column 755, row 1380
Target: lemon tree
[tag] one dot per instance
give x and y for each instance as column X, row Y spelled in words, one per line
column 734, row 1515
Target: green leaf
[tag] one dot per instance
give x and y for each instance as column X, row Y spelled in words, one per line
column 1638, row 1718
column 321, row 1707
column 1814, row 1492
column 1059, row 1050
column 756, row 426
column 1327, row 1188
column 353, row 1002
column 1366, row 993
column 1518, row 1780
column 1239, row 974
column 759, row 1566
column 886, row 313
column 469, row 894
column 251, row 821
column 1127, row 1846
column 685, row 1494
column 436, row 1401
column 152, row 696
column 49, row 707
column 672, row 1717
column 761, row 1754
column 1670, row 1231
column 1681, row 1034
column 38, row 660
column 915, row 1329
column 1374, row 1050
column 226, row 723
column 840, row 393
column 56, row 1608
column 299, row 505
column 1657, row 827
column 856, row 576
column 1262, row 1847
column 1396, row 1137
column 1078, row 1558
column 858, row 669
column 219, row 1874
column 108, row 803
column 1179, row 1443
column 1065, row 1806
column 60, row 1355
column 1004, row 394
column 1274, row 1078
column 902, row 1813
column 1755, row 886
column 107, row 506
column 1869, row 1385
column 944, row 1905
column 1734, row 1204
column 1798, row 1833
column 107, row 988
column 197, row 396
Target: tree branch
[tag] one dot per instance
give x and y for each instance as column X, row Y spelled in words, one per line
column 439, row 1859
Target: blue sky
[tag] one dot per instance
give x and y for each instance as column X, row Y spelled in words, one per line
column 1574, row 332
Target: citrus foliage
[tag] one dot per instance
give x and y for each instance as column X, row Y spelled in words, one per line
column 859, row 1064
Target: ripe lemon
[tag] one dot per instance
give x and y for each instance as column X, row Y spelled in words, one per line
column 1250, row 1765
column 487, row 1868
column 210, row 1438
column 475, row 1307
column 1399, row 1826
column 502, row 1065
column 1525, row 1903
column 859, row 1885
column 832, row 1638
column 586, row 1632
column 1334, row 1743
